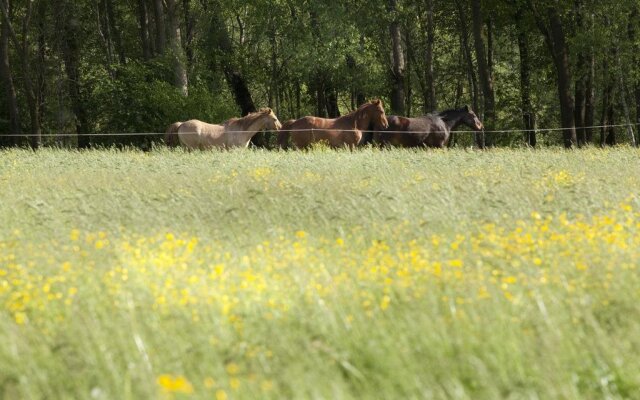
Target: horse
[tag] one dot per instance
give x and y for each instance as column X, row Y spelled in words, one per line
column 431, row 130
column 171, row 135
column 339, row 132
column 236, row 132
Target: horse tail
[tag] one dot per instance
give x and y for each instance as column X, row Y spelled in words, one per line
column 284, row 134
column 171, row 135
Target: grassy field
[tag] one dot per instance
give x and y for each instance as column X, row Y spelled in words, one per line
column 374, row 274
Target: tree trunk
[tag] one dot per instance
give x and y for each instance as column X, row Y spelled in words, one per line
column 561, row 57
column 484, row 72
column 623, row 96
column 610, row 138
column 317, row 85
column 632, row 29
column 397, row 61
column 7, row 80
column 240, row 91
column 607, row 133
column 319, row 90
column 233, row 74
column 331, row 96
column 471, row 71
column 104, row 30
column 68, row 26
column 429, row 94
column 490, row 46
column 580, row 81
column 464, row 37
column 581, row 101
column 23, row 49
column 528, row 114
column 161, row 36
column 190, row 24
column 178, row 58
column 556, row 42
column 115, row 32
column 357, row 95
column 590, row 98
column 143, row 22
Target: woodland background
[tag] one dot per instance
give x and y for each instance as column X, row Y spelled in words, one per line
column 78, row 69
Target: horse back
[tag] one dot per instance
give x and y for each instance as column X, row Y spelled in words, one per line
column 197, row 134
column 428, row 130
column 398, row 133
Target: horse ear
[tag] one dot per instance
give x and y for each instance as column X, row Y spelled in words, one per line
column 266, row 110
column 376, row 102
column 467, row 108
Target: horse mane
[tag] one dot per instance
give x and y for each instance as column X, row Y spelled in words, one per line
column 362, row 107
column 447, row 111
column 465, row 109
column 250, row 116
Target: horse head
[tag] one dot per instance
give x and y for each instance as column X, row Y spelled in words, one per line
column 270, row 119
column 375, row 112
column 471, row 119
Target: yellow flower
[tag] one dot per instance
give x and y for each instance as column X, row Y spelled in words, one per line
column 221, row 395
column 177, row 384
column 20, row 318
column 232, row 368
column 384, row 304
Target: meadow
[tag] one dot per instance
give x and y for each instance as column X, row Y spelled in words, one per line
column 456, row 274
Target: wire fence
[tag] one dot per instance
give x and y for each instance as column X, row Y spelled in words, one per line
column 311, row 130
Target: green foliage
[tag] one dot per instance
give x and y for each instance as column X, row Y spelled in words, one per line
column 289, row 51
column 138, row 100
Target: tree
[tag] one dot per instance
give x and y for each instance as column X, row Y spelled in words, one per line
column 143, row 24
column 484, row 72
column 23, row 49
column 68, row 24
column 552, row 27
column 161, row 36
column 7, row 80
column 397, row 61
column 178, row 56
column 429, row 92
column 528, row 113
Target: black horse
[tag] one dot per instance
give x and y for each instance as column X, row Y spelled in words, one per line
column 432, row 130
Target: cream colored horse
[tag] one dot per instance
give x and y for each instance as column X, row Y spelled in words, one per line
column 236, row 132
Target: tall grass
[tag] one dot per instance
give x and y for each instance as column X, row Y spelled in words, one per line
column 327, row 274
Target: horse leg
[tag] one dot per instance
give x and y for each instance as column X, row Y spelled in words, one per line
column 283, row 140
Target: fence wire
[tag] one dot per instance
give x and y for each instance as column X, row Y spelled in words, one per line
column 502, row 131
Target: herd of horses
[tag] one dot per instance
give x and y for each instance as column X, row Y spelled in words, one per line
column 367, row 124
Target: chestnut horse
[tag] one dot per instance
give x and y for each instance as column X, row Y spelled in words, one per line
column 236, row 132
column 339, row 132
column 171, row 135
column 432, row 130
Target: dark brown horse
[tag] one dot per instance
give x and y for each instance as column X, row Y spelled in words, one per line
column 432, row 130
column 339, row 132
